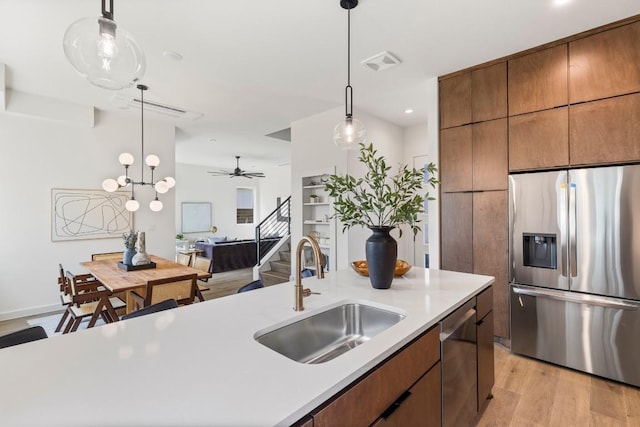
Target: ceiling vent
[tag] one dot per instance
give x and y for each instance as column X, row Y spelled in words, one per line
column 123, row 101
column 381, row 61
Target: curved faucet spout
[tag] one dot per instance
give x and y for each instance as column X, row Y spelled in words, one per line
column 317, row 257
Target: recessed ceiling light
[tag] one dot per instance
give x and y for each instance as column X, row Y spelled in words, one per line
column 561, row 2
column 172, row 55
column 408, row 111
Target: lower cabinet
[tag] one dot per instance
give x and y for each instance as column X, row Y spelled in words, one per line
column 484, row 333
column 411, row 377
column 419, row 406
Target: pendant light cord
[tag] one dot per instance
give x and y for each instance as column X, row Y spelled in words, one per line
column 348, row 91
column 142, row 132
column 108, row 14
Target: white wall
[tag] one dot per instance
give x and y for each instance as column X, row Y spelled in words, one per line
column 36, row 155
column 196, row 185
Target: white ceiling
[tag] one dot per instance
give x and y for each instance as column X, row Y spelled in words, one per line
column 252, row 67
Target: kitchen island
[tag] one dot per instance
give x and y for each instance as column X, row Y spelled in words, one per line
column 200, row 365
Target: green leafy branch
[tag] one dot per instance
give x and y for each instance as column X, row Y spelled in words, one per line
column 378, row 199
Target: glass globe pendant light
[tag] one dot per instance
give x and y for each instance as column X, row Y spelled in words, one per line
column 105, row 54
column 152, row 161
column 350, row 132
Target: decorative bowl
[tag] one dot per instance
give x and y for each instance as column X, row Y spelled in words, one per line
column 361, row 267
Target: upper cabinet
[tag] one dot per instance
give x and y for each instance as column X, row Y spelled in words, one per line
column 456, row 164
column 490, row 167
column 605, row 64
column 538, row 81
column 474, row 97
column 605, row 131
column 489, row 93
column 455, row 101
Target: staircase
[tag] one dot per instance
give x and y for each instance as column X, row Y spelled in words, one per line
column 280, row 268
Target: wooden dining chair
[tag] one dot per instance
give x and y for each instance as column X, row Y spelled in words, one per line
column 180, row 288
column 184, row 259
column 84, row 282
column 116, row 256
column 167, row 304
column 87, row 300
column 203, row 264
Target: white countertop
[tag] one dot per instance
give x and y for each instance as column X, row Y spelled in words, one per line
column 200, row 365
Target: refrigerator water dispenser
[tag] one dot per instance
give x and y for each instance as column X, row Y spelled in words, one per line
column 539, row 250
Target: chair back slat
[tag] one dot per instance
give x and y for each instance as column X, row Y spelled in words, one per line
column 184, row 259
column 182, row 289
column 202, row 263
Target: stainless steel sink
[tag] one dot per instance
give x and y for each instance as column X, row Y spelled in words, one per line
column 330, row 333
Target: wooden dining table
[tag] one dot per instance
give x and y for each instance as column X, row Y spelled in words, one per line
column 118, row 280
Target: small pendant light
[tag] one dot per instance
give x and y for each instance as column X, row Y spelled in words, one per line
column 350, row 132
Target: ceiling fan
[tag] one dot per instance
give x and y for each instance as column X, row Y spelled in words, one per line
column 239, row 172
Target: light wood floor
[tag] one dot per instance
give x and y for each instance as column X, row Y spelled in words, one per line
column 528, row 392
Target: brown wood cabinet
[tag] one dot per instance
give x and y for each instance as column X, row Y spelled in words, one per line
column 365, row 402
column 486, row 367
column 491, row 250
column 539, row 140
column 538, row 81
column 605, row 131
column 456, row 154
column 455, row 101
column 490, row 160
column 456, row 225
column 605, row 64
column 489, row 93
column 421, row 406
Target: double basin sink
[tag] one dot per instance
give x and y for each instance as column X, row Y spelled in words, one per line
column 328, row 334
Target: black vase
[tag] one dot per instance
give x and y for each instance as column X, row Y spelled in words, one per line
column 381, row 251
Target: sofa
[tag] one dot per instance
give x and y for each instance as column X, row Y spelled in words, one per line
column 233, row 255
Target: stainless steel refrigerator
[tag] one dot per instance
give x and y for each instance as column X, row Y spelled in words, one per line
column 575, row 269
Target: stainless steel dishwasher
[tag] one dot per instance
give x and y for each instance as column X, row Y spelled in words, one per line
column 458, row 347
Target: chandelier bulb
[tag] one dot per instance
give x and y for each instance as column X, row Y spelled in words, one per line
column 125, row 159
column 110, row 185
column 152, row 160
column 155, row 205
column 161, row 187
column 132, row 205
column 170, row 181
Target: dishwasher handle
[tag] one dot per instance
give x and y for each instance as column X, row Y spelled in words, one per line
column 446, row 333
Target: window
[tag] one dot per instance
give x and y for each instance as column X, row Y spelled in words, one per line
column 244, row 205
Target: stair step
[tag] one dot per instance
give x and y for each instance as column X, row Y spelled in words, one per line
column 273, row 277
column 285, row 256
column 280, row 266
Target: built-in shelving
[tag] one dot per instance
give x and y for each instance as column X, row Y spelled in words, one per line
column 316, row 213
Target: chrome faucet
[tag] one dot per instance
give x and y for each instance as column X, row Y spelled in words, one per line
column 300, row 292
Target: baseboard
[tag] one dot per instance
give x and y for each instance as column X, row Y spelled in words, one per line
column 33, row 311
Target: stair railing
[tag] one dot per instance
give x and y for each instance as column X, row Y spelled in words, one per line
column 274, row 227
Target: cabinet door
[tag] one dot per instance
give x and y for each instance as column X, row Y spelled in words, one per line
column 489, row 93
column 486, row 369
column 490, row 155
column 421, row 406
column 363, row 403
column 605, row 131
column 456, row 232
column 539, row 140
column 538, row 81
column 491, row 250
column 455, row 101
column 605, row 64
column 456, row 154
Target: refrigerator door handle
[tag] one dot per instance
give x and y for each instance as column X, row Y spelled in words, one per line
column 577, row 298
column 562, row 202
column 573, row 258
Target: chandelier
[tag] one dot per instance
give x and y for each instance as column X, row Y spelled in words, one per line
column 105, row 54
column 152, row 161
column 350, row 132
